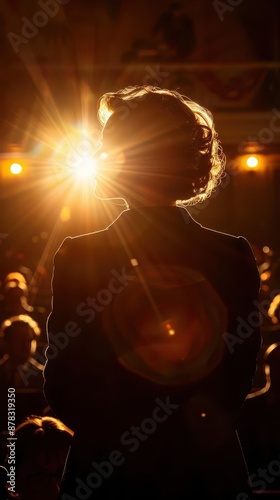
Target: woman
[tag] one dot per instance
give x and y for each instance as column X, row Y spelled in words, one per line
column 153, row 364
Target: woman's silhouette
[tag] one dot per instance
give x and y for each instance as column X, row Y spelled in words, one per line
column 155, row 361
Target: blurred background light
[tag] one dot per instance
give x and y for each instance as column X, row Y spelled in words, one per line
column 252, row 162
column 65, row 214
column 266, row 249
column 16, row 168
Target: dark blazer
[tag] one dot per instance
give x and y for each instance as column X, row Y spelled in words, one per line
column 153, row 438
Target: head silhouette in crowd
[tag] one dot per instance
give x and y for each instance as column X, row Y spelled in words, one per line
column 18, row 368
column 158, row 146
column 41, row 449
column 20, row 336
column 15, row 295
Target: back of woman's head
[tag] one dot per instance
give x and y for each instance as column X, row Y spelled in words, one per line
column 158, row 133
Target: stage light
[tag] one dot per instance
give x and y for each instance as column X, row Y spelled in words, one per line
column 14, row 162
column 85, row 169
column 256, row 163
column 265, row 275
column 75, row 156
column 11, row 168
column 274, row 310
column 168, row 327
column 252, row 162
column 15, row 168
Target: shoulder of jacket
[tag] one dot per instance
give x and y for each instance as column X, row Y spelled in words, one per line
column 238, row 241
column 72, row 245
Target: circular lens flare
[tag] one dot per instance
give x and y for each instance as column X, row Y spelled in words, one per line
column 168, row 325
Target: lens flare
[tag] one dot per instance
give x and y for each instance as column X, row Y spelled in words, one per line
column 168, row 325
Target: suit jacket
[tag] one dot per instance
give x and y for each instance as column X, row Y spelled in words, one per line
column 153, row 436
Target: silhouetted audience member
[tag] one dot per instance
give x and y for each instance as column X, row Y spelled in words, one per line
column 41, row 444
column 174, row 32
column 19, row 369
column 259, row 426
column 14, row 300
column 155, row 365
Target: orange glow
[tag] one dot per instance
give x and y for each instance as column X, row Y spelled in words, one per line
column 266, row 275
column 169, row 328
column 252, row 162
column 65, row 214
column 273, row 308
column 266, row 249
column 134, row 262
column 85, row 169
column 14, row 167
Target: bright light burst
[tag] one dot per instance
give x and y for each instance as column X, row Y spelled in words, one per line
column 86, row 169
column 62, row 136
column 74, row 157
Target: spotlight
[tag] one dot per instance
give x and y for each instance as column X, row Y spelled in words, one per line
column 85, row 169
column 15, row 168
column 252, row 162
column 75, row 155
